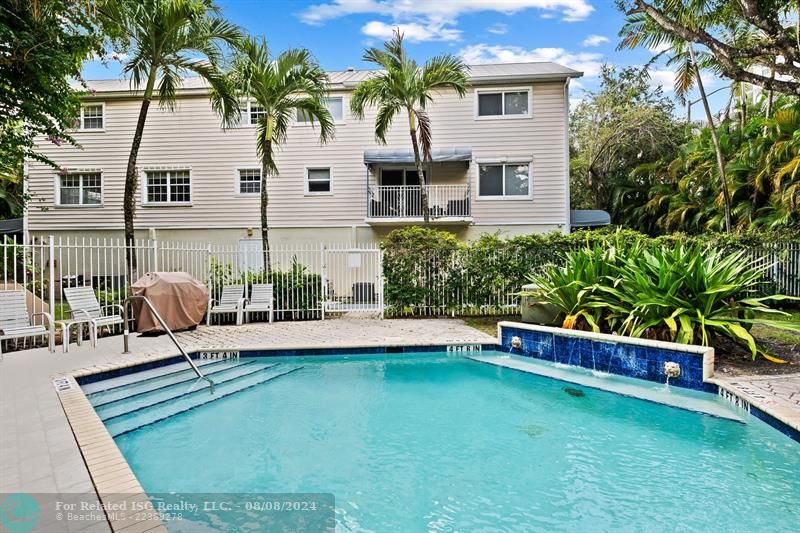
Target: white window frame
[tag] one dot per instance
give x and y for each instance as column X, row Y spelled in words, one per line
column 503, row 91
column 505, row 162
column 330, row 180
column 88, row 104
column 237, row 181
column 57, row 189
column 245, row 119
column 343, row 120
column 144, row 186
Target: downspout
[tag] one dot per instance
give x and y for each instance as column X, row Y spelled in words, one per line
column 567, row 222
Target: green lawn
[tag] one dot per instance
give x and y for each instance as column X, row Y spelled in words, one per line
column 767, row 333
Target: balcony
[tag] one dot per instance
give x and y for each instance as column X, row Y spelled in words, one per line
column 399, row 204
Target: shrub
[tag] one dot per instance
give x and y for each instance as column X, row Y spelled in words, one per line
column 689, row 293
column 296, row 290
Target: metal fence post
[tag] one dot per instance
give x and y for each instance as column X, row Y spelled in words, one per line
column 323, row 279
column 51, row 289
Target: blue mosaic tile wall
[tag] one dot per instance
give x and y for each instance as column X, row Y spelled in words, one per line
column 640, row 362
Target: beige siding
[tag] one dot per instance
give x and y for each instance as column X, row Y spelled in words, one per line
column 191, row 137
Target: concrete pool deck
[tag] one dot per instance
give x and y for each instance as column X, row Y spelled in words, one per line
column 38, row 451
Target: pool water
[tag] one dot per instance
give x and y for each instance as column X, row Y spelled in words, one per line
column 437, row 442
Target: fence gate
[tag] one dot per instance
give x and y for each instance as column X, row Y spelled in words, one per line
column 353, row 279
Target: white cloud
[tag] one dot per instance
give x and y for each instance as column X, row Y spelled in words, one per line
column 594, row 40
column 413, row 31
column 498, row 29
column 665, row 78
column 570, row 10
column 663, row 47
column 588, row 63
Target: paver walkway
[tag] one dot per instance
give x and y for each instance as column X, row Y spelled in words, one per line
column 38, row 452
column 776, row 395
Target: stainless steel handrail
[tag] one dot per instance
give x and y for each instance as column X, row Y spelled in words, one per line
column 126, row 332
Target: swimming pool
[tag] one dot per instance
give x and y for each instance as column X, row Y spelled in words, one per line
column 436, row 441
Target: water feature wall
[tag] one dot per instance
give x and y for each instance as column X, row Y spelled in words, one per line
column 626, row 356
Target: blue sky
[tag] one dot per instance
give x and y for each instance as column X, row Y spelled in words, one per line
column 581, row 34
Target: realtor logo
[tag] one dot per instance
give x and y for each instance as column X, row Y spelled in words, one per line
column 19, row 513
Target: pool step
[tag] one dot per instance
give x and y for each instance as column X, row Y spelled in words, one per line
column 165, row 408
column 164, row 372
column 174, row 390
column 105, row 397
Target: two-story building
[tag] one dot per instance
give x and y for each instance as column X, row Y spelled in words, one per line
column 500, row 163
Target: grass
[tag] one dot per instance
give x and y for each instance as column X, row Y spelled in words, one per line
column 488, row 324
column 767, row 333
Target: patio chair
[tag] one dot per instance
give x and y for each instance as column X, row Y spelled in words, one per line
column 230, row 301
column 16, row 323
column 260, row 301
column 85, row 309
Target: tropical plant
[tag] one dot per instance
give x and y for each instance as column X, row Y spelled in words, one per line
column 683, row 293
column 165, row 39
column 763, row 171
column 405, row 86
column 770, row 25
column 613, row 130
column 281, row 86
column 43, row 45
column 641, row 30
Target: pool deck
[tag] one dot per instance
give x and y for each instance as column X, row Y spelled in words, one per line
column 778, row 396
column 38, row 451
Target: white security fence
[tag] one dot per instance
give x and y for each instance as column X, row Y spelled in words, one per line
column 309, row 280
column 470, row 281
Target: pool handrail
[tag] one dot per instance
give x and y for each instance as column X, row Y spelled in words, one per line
column 166, row 328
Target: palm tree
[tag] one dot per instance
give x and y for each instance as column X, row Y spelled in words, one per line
column 639, row 29
column 166, row 39
column 403, row 85
column 281, row 87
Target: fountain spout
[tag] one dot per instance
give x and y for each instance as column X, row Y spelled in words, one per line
column 672, row 370
column 516, row 342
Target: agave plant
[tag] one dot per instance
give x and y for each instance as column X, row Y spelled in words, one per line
column 688, row 294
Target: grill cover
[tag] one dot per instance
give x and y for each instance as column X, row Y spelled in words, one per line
column 180, row 299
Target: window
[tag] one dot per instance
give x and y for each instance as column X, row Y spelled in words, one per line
column 512, row 103
column 255, row 113
column 249, row 181
column 251, row 112
column 505, row 180
column 80, row 189
column 318, row 181
column 168, row 187
column 92, row 117
column 335, row 105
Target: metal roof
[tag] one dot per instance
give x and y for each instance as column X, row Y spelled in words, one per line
column 589, row 217
column 343, row 79
column 397, row 155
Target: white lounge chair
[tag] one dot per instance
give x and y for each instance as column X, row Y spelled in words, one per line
column 260, row 301
column 230, row 301
column 85, row 309
column 16, row 323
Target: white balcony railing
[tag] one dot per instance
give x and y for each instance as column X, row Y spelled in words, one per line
column 405, row 201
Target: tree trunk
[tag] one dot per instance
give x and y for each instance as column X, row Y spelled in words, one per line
column 726, row 197
column 423, row 187
column 129, row 201
column 743, row 104
column 266, row 165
